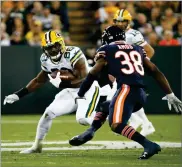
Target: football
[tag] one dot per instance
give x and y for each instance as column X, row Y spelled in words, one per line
column 64, row 74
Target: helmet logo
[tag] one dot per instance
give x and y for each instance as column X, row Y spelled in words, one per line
column 58, row 34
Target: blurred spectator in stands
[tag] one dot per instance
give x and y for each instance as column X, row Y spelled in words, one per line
column 170, row 17
column 130, row 7
column 121, row 5
column 164, row 25
column 174, row 5
column 60, row 9
column 108, row 10
column 155, row 16
column 57, row 26
column 142, row 25
column 16, row 12
column 46, row 18
column 178, row 34
column 153, row 39
column 17, row 38
column 35, row 41
column 37, row 9
column 95, row 38
column 36, row 31
column 5, row 41
column 168, row 39
column 18, row 25
column 6, row 7
column 144, row 7
column 32, row 9
column 160, row 4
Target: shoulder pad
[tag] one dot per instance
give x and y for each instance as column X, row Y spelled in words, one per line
column 43, row 60
column 73, row 53
column 138, row 38
column 102, row 48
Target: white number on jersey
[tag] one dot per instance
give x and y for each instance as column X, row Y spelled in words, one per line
column 132, row 60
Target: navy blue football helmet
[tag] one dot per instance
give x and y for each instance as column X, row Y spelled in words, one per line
column 111, row 34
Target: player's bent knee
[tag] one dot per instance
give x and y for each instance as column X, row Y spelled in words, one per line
column 114, row 126
column 49, row 114
column 117, row 127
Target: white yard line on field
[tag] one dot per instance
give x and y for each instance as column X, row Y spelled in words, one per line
column 33, row 121
column 104, row 145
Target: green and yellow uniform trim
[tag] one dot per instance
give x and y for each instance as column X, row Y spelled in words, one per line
column 92, row 104
column 76, row 57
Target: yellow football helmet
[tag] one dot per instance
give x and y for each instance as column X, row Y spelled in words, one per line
column 122, row 15
column 53, row 45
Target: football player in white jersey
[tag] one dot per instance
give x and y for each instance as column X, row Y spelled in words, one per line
column 57, row 57
column 122, row 19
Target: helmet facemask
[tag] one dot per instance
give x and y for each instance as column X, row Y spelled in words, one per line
column 124, row 25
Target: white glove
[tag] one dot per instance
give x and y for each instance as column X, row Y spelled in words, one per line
column 11, row 99
column 55, row 81
column 172, row 100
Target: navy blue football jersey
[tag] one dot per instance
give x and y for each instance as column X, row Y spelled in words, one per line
column 125, row 63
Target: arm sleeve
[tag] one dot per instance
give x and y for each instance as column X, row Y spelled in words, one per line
column 86, row 84
column 100, row 53
column 76, row 55
column 43, row 61
column 139, row 39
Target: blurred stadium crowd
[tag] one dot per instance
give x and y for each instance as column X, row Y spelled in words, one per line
column 24, row 22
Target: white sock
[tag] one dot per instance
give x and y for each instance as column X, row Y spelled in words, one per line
column 141, row 114
column 42, row 128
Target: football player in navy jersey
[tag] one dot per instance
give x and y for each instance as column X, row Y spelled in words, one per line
column 126, row 63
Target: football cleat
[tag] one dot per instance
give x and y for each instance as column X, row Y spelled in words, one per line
column 147, row 129
column 81, row 139
column 32, row 150
column 149, row 151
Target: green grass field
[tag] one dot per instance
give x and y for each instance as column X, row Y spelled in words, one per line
column 18, row 131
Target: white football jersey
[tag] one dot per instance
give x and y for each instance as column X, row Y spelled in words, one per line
column 135, row 37
column 67, row 61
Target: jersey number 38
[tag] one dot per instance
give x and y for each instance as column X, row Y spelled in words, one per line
column 132, row 60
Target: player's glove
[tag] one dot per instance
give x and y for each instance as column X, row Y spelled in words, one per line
column 78, row 97
column 172, row 100
column 99, row 55
column 55, row 81
column 11, row 99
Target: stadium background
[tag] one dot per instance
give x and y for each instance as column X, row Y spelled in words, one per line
column 81, row 23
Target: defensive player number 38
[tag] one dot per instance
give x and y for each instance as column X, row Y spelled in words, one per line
column 132, row 60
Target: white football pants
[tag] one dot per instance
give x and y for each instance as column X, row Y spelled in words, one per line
column 64, row 103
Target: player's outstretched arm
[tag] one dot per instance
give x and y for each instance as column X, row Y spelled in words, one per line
column 164, row 84
column 149, row 50
column 38, row 81
column 33, row 85
column 85, row 86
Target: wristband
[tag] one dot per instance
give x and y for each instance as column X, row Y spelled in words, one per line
column 22, row 92
column 170, row 95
